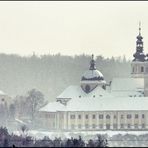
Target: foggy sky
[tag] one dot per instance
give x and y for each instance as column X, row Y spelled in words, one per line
column 103, row 28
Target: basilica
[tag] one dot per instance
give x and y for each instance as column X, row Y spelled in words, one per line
column 96, row 105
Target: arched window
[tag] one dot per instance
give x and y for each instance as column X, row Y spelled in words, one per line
column 142, row 69
column 108, row 117
column 100, row 116
column 87, row 88
column 129, row 116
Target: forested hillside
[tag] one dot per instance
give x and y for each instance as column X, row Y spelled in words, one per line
column 51, row 74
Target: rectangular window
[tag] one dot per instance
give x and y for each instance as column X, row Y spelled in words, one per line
column 72, row 126
column 142, row 69
column 100, row 116
column 101, row 126
column 129, row 116
column 86, row 116
column 115, row 117
column 108, row 126
column 128, row 126
column 94, row 126
column 114, row 126
column 72, row 116
column 136, row 126
column 136, row 116
column 143, row 116
column 94, row 116
column 79, row 126
column 122, row 116
column 86, row 126
column 79, row 116
column 143, row 125
column 122, row 125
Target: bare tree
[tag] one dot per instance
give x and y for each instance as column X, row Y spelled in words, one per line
column 35, row 99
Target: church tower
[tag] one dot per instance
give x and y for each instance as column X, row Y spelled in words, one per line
column 139, row 61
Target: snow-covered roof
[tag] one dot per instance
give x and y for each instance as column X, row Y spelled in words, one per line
column 76, row 92
column 2, row 93
column 127, row 84
column 128, row 93
column 131, row 90
column 53, row 107
column 108, row 104
column 127, row 87
column 92, row 74
column 100, row 104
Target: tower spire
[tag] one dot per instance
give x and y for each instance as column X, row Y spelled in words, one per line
column 139, row 55
column 92, row 63
column 139, row 27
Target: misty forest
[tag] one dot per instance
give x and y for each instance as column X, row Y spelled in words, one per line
column 51, row 74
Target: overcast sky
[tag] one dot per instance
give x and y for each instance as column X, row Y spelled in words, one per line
column 103, row 28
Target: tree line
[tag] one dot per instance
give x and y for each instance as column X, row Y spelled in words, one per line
column 24, row 140
column 51, row 74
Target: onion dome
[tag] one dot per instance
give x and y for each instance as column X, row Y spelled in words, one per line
column 92, row 73
column 92, row 78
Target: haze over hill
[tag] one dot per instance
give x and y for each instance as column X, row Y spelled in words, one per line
column 51, row 74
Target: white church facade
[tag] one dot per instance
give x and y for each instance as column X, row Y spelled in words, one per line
column 94, row 105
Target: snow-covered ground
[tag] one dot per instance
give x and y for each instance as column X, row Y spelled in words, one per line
column 40, row 134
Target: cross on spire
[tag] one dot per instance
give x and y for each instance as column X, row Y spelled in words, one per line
column 139, row 27
column 92, row 56
column 92, row 63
